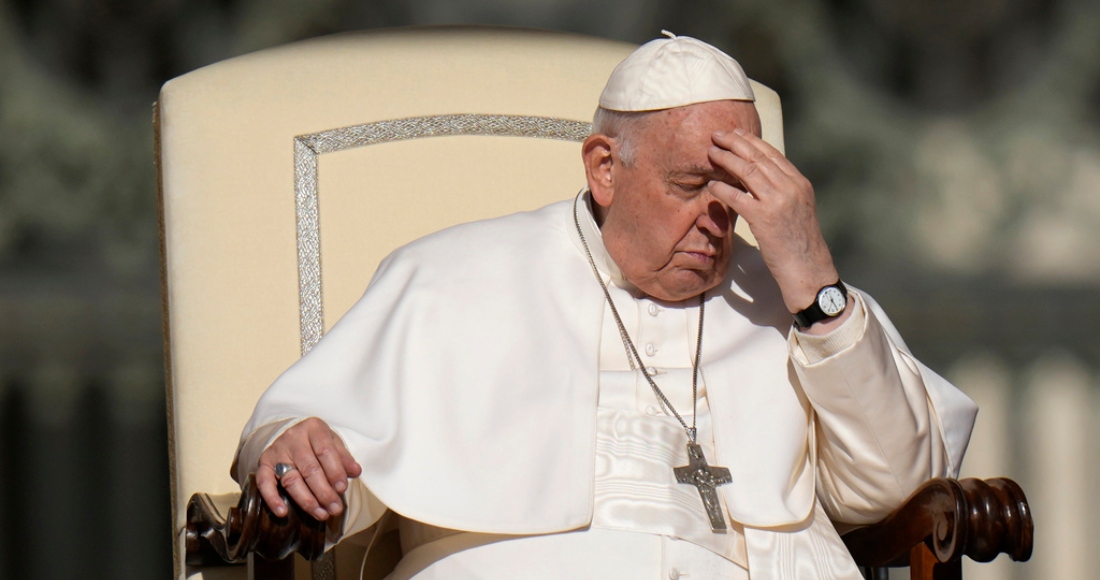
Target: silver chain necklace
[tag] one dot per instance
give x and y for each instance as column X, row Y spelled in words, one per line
column 704, row 477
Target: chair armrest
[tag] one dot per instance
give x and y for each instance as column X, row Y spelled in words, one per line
column 249, row 527
column 980, row 519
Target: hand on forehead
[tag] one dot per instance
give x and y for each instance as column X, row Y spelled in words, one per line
column 679, row 140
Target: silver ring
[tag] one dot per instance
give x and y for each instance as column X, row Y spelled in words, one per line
column 282, row 469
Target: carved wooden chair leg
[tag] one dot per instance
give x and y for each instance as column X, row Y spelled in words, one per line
column 923, row 565
column 260, row 568
column 875, row 572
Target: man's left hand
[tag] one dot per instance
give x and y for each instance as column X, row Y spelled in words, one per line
column 777, row 201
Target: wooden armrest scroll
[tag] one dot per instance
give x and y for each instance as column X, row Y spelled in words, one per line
column 971, row 517
column 249, row 527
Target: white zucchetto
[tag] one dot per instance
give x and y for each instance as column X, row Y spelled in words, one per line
column 674, row 72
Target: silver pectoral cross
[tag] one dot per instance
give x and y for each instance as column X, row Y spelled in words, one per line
column 705, row 478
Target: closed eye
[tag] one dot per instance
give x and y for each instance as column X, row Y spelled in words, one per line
column 690, row 181
column 690, row 188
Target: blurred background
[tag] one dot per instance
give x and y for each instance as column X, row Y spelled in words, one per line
column 954, row 146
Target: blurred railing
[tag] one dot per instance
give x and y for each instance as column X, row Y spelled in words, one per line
column 83, row 479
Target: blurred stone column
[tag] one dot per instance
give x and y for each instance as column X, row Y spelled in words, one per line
column 1061, row 452
column 987, row 379
column 63, row 473
column 139, row 488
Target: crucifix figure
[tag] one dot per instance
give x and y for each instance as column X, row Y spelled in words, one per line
column 705, row 478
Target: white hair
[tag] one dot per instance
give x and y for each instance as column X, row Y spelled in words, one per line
column 622, row 127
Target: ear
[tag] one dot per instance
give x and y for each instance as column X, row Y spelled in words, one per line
column 598, row 162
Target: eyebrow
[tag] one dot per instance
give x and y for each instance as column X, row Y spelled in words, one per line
column 694, row 170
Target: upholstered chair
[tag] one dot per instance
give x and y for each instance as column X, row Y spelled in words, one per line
column 286, row 175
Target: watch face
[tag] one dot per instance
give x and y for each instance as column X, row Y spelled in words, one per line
column 831, row 301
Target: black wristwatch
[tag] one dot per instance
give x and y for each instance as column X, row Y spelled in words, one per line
column 830, row 303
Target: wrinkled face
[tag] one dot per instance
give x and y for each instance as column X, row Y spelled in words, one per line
column 669, row 235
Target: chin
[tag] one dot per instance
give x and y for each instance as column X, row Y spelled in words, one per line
column 691, row 284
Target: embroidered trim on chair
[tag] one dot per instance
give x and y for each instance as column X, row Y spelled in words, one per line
column 308, row 147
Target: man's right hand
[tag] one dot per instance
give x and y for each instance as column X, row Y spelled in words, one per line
column 321, row 468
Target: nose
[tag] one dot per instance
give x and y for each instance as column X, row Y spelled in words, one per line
column 714, row 220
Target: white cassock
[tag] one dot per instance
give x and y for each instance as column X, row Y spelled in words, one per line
column 483, row 387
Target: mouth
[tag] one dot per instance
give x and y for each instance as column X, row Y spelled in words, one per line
column 705, row 258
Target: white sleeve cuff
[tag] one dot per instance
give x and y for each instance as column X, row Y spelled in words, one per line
column 809, row 349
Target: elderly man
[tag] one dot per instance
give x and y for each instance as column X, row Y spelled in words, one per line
column 616, row 386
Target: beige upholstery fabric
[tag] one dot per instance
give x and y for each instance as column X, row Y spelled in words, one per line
column 227, row 152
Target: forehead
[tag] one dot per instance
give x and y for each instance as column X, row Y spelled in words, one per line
column 686, row 131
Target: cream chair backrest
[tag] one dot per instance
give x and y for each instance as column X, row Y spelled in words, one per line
column 288, row 174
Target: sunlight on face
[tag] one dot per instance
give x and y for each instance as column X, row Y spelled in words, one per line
column 668, row 234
